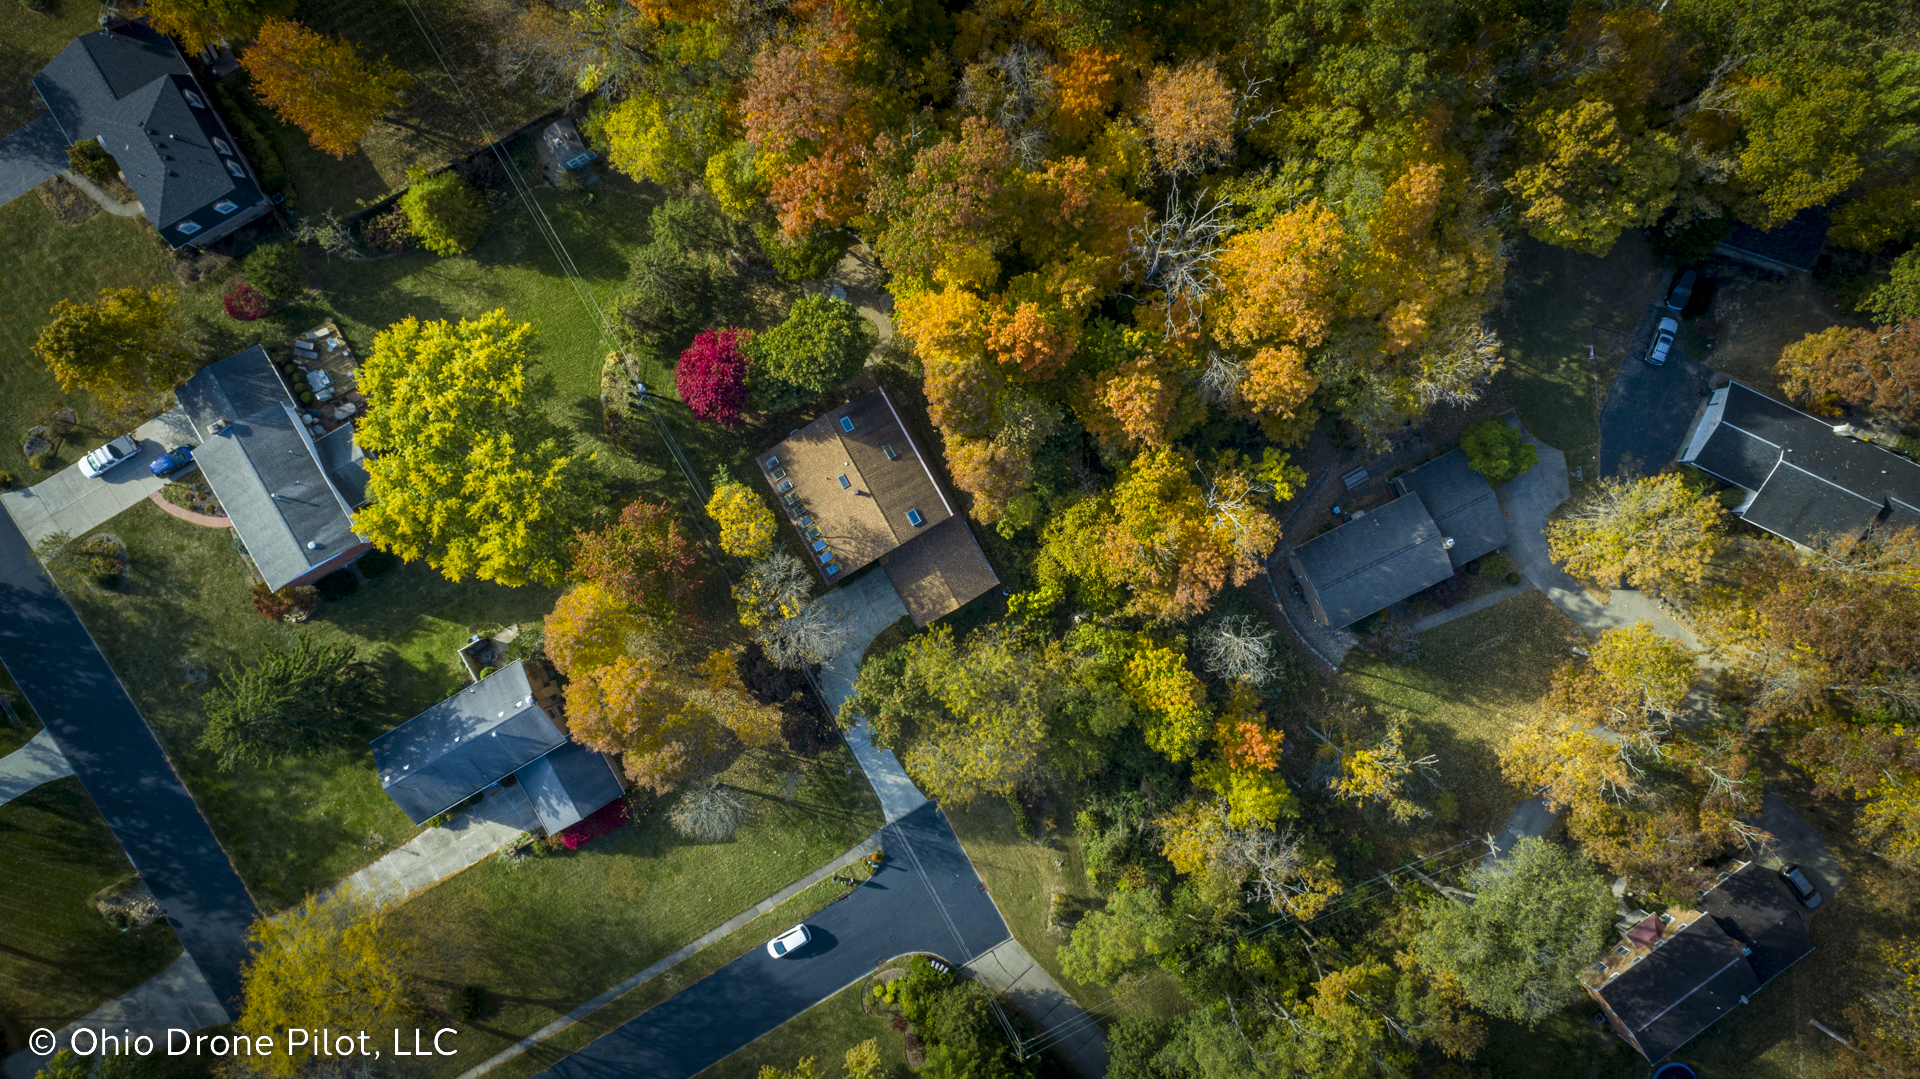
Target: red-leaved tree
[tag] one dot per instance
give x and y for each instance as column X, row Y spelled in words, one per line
column 244, row 302
column 645, row 558
column 712, row 376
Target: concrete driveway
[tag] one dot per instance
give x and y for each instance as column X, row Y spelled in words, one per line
column 69, row 502
column 1648, row 408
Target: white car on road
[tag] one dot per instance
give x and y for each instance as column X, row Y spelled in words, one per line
column 789, row 942
column 118, row 452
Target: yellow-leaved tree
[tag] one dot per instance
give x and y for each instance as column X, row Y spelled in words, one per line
column 463, row 468
column 321, row 84
column 126, row 345
column 1645, row 531
column 338, row 961
column 746, row 524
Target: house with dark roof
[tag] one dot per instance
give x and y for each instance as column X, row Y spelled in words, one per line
column 1674, row 975
column 508, row 724
column 290, row 492
column 127, row 87
column 1807, row 479
column 1791, row 247
column 1444, row 516
column 857, row 490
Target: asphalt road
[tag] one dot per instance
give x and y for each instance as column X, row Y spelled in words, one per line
column 894, row 913
column 1648, row 409
column 122, row 767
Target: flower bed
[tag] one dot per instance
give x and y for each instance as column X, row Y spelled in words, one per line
column 604, row 821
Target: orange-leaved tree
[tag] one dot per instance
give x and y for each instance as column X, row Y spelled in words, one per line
column 321, row 85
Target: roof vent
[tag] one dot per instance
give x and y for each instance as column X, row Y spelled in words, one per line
column 313, row 545
column 1446, row 543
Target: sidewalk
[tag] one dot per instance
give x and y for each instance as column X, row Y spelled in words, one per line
column 177, row 997
column 39, row 761
column 1472, row 606
column 1007, row 969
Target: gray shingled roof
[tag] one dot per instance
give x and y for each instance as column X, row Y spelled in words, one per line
column 464, row 744
column 568, row 784
column 29, row 155
column 1371, row 563
column 1461, row 502
column 1752, row 909
column 1809, row 481
column 127, row 89
column 265, row 469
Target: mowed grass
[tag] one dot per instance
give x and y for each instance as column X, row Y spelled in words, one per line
column 1472, row 680
column 31, row 39
column 300, row 824
column 58, row 262
column 59, row 959
column 824, row 1032
column 543, row 936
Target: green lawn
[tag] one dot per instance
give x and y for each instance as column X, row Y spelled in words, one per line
column 1473, row 678
column 32, row 39
column 14, row 735
column 59, row 959
column 301, row 824
column 825, row 1032
column 546, row 935
column 1559, row 302
column 69, row 262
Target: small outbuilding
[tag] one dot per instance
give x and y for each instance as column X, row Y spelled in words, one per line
column 564, row 152
column 1791, row 247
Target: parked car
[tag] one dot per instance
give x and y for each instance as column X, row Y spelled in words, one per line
column 1682, row 292
column 1800, row 886
column 1663, row 342
column 789, row 942
column 117, row 452
column 181, row 457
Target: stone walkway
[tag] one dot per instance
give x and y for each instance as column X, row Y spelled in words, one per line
column 100, row 197
column 439, row 853
column 854, row 854
column 1007, row 969
column 68, row 501
column 870, row 605
column 176, row 998
column 1472, row 606
column 39, row 761
column 204, row 520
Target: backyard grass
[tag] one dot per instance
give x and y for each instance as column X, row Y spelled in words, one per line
column 1472, row 678
column 1558, row 302
column 303, row 823
column 59, row 959
column 824, row 1032
column 544, row 936
column 31, row 39
column 68, row 262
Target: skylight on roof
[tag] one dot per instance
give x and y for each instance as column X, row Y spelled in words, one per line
column 844, row 482
column 892, row 454
column 914, row 518
column 846, row 424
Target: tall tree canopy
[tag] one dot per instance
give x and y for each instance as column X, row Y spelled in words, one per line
column 321, row 85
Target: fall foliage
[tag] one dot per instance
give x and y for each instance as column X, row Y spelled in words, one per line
column 320, row 84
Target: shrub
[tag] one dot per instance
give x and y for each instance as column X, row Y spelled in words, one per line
column 244, row 302
column 711, row 377
column 307, row 398
column 668, row 294
column 444, row 213
column 465, row 1003
column 805, row 730
column 606, row 820
column 6, row 481
column 42, row 460
column 709, row 814
column 267, row 166
column 815, row 256
column 274, row 269
column 90, row 159
column 374, row 563
column 1497, row 451
column 822, row 343
column 339, row 584
column 389, row 233
column 289, row 604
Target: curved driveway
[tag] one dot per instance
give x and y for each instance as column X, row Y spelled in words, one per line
column 67, row 680
column 926, row 898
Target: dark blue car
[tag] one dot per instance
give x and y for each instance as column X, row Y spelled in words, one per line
column 180, row 458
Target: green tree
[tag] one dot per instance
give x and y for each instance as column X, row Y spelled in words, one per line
column 822, row 343
column 1498, row 451
column 274, row 270
column 1587, row 179
column 124, row 347
column 668, row 294
column 447, row 216
column 287, row 701
column 340, row 961
column 1899, row 299
column 464, row 468
column 1541, row 915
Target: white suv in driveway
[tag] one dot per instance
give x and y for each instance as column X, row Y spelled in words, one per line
column 1663, row 342
column 118, row 452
